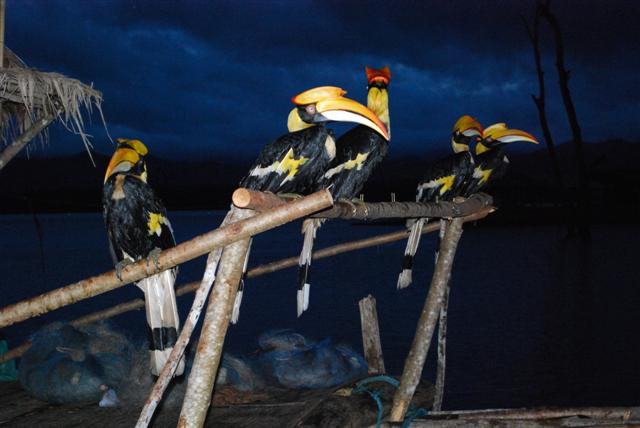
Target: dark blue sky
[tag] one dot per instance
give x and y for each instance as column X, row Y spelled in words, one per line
column 209, row 79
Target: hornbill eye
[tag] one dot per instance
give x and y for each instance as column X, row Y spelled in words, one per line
column 310, row 109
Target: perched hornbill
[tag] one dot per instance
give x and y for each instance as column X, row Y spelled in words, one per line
column 490, row 160
column 443, row 180
column 358, row 152
column 138, row 227
column 296, row 161
column 488, row 164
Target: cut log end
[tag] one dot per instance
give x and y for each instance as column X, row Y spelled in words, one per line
column 241, row 197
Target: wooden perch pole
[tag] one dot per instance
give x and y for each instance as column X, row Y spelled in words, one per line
column 167, row 259
column 377, row 210
column 187, row 329
column 214, row 330
column 258, row 271
column 371, row 335
column 21, row 142
column 252, row 199
column 426, row 325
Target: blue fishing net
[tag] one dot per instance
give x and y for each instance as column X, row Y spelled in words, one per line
column 288, row 359
column 8, row 370
column 67, row 364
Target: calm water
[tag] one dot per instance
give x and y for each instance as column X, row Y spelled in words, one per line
column 533, row 320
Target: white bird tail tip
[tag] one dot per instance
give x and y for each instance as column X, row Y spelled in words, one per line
column 159, row 359
column 235, row 315
column 303, row 299
column 404, row 279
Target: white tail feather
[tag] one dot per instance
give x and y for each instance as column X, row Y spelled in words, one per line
column 309, row 229
column 162, row 312
column 235, row 314
column 405, row 277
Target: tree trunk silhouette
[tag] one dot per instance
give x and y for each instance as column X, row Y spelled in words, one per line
column 560, row 196
column 563, row 79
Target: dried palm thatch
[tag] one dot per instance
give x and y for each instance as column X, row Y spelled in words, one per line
column 30, row 100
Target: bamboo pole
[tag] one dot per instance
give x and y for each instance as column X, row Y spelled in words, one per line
column 167, row 259
column 426, row 324
column 257, row 271
column 20, row 142
column 187, row 330
column 214, row 329
column 371, row 335
column 442, row 336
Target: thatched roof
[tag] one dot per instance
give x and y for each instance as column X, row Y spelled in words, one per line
column 27, row 95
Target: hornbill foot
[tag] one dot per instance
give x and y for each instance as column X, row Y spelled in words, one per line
column 120, row 267
column 154, row 256
column 354, row 203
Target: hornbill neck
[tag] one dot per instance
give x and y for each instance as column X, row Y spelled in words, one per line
column 378, row 102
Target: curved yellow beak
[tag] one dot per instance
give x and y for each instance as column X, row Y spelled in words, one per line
column 118, row 160
column 499, row 132
column 468, row 126
column 347, row 110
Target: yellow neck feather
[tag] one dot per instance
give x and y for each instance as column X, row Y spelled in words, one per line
column 378, row 102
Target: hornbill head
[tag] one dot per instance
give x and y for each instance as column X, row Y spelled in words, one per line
column 498, row 134
column 327, row 104
column 377, row 95
column 129, row 159
column 465, row 130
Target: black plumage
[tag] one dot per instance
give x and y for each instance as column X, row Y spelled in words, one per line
column 444, row 179
column 489, row 167
column 138, row 228
column 294, row 163
column 128, row 205
column 358, row 153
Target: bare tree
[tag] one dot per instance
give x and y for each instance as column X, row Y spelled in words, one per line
column 544, row 11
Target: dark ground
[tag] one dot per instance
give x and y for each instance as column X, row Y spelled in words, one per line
column 312, row 408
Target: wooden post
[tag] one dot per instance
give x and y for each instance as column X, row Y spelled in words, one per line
column 167, row 259
column 426, row 325
column 442, row 351
column 185, row 335
column 209, row 351
column 371, row 335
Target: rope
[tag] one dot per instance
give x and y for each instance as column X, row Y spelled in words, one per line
column 375, row 394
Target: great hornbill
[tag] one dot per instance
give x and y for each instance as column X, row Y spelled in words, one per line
column 138, row 228
column 443, row 180
column 488, row 164
column 490, row 160
column 358, row 152
column 295, row 162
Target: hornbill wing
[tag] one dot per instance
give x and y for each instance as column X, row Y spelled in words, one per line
column 292, row 163
column 489, row 166
column 444, row 178
column 358, row 152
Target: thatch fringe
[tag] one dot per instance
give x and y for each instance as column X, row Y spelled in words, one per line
column 28, row 95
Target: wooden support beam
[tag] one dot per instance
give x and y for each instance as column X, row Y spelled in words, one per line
column 167, row 259
column 378, row 210
column 258, row 201
column 214, row 330
column 426, row 324
column 371, row 335
column 257, row 271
